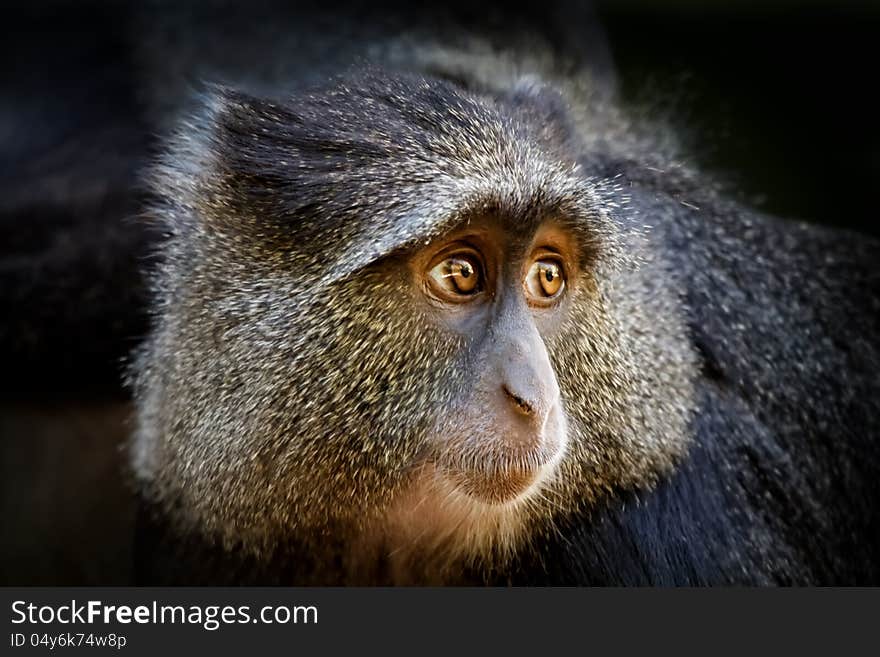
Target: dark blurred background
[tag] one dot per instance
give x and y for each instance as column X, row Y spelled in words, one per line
column 775, row 98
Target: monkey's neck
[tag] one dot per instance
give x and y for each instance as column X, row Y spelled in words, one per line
column 432, row 534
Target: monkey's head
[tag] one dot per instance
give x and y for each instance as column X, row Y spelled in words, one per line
column 398, row 316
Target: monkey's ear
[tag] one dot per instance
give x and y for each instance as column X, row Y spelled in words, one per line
column 336, row 165
column 298, row 167
column 306, row 175
column 228, row 160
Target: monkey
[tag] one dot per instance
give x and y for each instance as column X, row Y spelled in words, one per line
column 435, row 309
column 460, row 461
column 430, row 304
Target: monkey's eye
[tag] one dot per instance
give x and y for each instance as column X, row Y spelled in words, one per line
column 545, row 280
column 458, row 275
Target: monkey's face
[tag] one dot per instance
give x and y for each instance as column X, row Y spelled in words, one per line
column 398, row 313
column 503, row 294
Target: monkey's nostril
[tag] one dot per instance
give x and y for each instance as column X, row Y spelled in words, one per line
column 521, row 404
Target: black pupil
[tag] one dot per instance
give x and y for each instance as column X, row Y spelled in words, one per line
column 465, row 270
column 549, row 275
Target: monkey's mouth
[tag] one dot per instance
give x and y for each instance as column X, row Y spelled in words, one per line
column 504, row 482
column 501, row 467
column 498, row 486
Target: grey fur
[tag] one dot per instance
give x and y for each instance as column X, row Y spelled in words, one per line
column 275, row 401
column 291, row 383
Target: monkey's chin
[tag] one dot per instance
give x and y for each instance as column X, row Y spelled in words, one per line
column 494, row 488
column 502, row 486
column 514, row 474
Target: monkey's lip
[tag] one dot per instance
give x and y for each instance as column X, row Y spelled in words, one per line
column 507, row 466
column 497, row 486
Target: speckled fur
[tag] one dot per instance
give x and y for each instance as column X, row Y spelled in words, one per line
column 291, row 384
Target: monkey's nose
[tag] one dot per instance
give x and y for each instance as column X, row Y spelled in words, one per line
column 521, row 405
